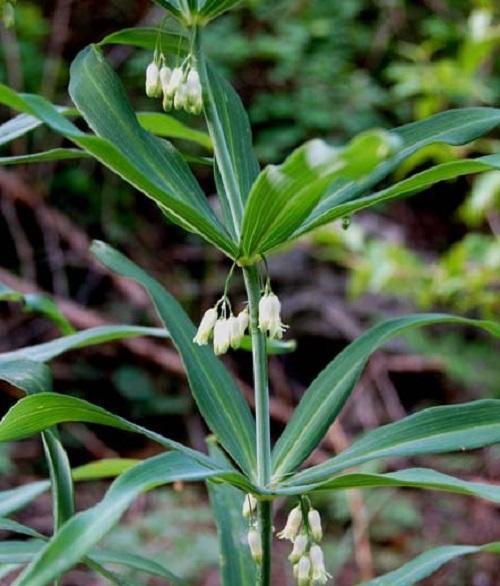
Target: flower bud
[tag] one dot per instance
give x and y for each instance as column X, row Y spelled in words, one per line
column 174, row 82
column 255, row 543
column 315, row 525
column 319, row 573
column 153, row 83
column 293, row 524
column 222, row 336
column 235, row 332
column 206, row 327
column 249, row 506
column 299, row 548
column 243, row 321
column 304, row 571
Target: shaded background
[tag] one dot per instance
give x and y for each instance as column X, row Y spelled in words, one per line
column 304, row 68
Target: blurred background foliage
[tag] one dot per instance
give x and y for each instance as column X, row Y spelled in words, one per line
column 304, row 68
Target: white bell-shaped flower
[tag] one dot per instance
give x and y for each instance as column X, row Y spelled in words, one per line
column 222, row 336
column 270, row 316
column 206, row 327
column 304, row 571
column 299, row 548
column 194, row 92
column 314, row 521
column 243, row 321
column 176, row 79
column 293, row 523
column 153, row 82
column 180, row 97
column 255, row 544
column 234, row 326
column 319, row 573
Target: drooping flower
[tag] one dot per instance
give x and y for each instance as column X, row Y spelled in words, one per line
column 175, row 81
column 243, row 321
column 314, row 521
column 153, row 82
column 304, row 571
column 293, row 523
column 249, row 506
column 222, row 336
column 255, row 544
column 235, row 329
column 270, row 316
column 194, row 92
column 299, row 548
column 319, row 573
column 206, row 327
column 180, row 97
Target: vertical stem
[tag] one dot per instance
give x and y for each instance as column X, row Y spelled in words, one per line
column 263, row 431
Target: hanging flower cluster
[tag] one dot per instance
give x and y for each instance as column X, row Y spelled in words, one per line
column 305, row 532
column 226, row 329
column 180, row 87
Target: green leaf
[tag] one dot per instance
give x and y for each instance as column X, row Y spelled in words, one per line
column 18, row 552
column 101, row 98
column 283, row 196
column 231, row 134
column 36, row 413
column 328, row 393
column 82, row 339
column 27, row 375
column 415, row 184
column 432, row 431
column 428, row 563
column 236, row 563
column 16, row 498
column 77, row 538
column 274, row 347
column 36, row 303
column 409, row 478
column 164, row 125
column 127, row 559
column 455, row 127
column 60, row 154
column 211, row 9
column 22, row 124
column 218, row 397
column 148, row 38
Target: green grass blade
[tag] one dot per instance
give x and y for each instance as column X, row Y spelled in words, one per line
column 328, row 393
column 217, row 395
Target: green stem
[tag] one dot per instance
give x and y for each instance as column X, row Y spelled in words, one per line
column 263, row 431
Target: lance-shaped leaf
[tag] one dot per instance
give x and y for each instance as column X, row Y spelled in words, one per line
column 236, row 563
column 410, row 478
column 210, row 9
column 437, row 430
column 283, row 196
column 100, row 97
column 59, row 154
column 22, row 124
column 150, row 164
column 127, row 559
column 39, row 412
column 16, row 498
column 77, row 538
column 231, row 134
column 148, row 38
column 219, row 399
column 414, row 184
column 428, row 563
column 169, row 127
column 91, row 337
column 328, row 393
column 454, row 127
